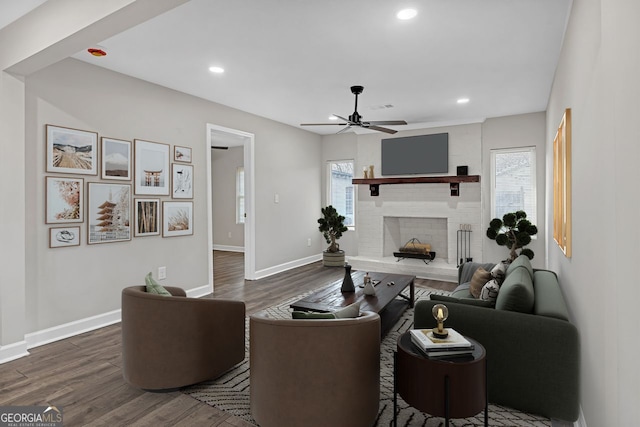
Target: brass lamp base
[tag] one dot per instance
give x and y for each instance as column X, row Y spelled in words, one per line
column 437, row 334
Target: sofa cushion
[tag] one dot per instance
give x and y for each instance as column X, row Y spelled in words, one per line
column 548, row 296
column 516, row 292
column 521, row 261
column 478, row 280
column 154, row 287
column 499, row 271
column 468, row 301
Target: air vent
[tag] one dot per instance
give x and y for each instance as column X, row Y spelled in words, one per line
column 381, row 107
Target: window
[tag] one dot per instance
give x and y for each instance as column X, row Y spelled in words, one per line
column 240, row 196
column 341, row 189
column 513, row 182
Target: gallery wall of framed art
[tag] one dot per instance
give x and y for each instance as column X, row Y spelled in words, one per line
column 113, row 171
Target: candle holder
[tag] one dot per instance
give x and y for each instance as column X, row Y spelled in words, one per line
column 440, row 313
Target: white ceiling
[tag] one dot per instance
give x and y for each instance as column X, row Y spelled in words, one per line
column 293, row 61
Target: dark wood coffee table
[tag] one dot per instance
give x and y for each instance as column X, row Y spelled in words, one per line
column 389, row 301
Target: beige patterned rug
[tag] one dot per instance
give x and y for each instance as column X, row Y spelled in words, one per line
column 230, row 392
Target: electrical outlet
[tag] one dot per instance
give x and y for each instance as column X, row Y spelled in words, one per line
column 309, row 241
column 229, row 234
column 276, row 198
column 162, row 273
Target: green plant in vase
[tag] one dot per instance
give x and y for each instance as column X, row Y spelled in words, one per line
column 514, row 231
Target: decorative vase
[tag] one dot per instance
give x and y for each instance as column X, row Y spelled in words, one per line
column 347, row 282
column 369, row 289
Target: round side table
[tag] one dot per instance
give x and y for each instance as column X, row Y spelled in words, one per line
column 453, row 387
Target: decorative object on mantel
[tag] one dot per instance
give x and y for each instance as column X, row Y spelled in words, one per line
column 462, row 170
column 440, row 313
column 514, row 231
column 332, row 226
column 371, row 174
column 347, row 282
column 414, row 249
column 375, row 183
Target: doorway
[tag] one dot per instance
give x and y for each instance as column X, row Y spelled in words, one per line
column 222, row 138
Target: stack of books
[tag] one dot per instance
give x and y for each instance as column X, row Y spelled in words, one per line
column 453, row 346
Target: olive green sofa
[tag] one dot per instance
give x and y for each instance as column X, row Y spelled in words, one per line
column 533, row 351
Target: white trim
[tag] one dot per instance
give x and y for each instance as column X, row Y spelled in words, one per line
column 13, row 351
column 199, row 292
column 77, row 327
column 287, row 266
column 228, row 248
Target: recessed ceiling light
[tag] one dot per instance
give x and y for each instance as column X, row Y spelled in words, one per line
column 333, row 118
column 463, row 100
column 217, row 70
column 405, row 14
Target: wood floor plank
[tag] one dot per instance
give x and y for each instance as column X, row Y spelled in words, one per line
column 83, row 374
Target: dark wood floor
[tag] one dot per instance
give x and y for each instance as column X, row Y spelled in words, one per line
column 82, row 374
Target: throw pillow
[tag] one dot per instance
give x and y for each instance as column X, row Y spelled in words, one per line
column 490, row 291
column 311, row 315
column 154, row 287
column 350, row 311
column 479, row 278
column 498, row 272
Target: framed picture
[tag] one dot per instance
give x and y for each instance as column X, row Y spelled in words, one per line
column 108, row 212
column 181, row 181
column 71, row 150
column 147, row 217
column 63, row 237
column 182, row 154
column 64, row 200
column 151, row 168
column 177, row 219
column 116, row 159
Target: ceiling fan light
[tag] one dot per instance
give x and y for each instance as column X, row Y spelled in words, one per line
column 405, row 14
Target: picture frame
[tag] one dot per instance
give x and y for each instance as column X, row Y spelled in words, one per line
column 72, row 151
column 151, row 171
column 108, row 212
column 177, row 219
column 64, row 200
column 64, row 237
column 181, row 181
column 146, row 217
column 182, row 154
column 115, row 159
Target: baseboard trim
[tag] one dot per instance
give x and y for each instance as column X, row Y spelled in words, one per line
column 199, row 292
column 261, row 274
column 228, row 248
column 13, row 351
column 67, row 330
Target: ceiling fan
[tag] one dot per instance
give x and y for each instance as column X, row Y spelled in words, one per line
column 356, row 119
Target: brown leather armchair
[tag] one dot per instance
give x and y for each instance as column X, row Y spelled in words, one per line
column 315, row 372
column 175, row 341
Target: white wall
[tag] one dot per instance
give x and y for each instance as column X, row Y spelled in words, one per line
column 525, row 130
column 71, row 284
column 597, row 78
column 224, row 164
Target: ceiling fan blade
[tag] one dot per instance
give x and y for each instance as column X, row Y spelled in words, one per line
column 342, row 118
column 388, row 122
column 381, row 129
column 323, row 124
column 344, row 129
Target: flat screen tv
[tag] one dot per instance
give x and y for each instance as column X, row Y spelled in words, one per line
column 413, row 155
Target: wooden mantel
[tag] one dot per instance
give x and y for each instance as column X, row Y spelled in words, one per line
column 453, row 181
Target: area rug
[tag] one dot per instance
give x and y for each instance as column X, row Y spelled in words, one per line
column 230, row 392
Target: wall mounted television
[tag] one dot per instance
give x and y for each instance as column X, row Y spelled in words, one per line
column 412, row 155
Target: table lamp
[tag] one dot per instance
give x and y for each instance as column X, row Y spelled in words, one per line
column 440, row 313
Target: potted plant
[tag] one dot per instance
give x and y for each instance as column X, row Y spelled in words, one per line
column 332, row 226
column 514, row 231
